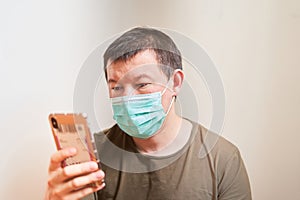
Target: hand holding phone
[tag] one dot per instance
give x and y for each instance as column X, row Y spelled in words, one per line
column 73, row 171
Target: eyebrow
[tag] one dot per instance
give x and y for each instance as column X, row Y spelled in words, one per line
column 111, row 81
column 134, row 79
column 142, row 76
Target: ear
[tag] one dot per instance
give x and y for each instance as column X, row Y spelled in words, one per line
column 178, row 77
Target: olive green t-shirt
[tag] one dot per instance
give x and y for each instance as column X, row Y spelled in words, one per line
column 219, row 173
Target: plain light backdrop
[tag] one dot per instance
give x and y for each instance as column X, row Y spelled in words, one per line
column 255, row 45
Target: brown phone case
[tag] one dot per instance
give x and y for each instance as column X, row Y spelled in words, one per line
column 71, row 130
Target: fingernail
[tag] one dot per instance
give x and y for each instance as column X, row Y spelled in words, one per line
column 99, row 174
column 93, row 166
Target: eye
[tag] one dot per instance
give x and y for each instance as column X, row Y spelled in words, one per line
column 142, row 85
column 117, row 88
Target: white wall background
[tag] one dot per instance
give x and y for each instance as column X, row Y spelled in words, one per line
column 255, row 45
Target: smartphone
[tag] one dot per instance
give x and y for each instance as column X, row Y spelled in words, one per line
column 71, row 130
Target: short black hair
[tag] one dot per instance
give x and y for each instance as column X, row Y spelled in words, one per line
column 140, row 39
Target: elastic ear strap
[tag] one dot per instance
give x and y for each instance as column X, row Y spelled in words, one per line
column 162, row 93
column 170, row 105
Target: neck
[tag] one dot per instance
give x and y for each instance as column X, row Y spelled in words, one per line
column 163, row 137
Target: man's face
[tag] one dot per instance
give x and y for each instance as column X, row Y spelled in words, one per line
column 141, row 74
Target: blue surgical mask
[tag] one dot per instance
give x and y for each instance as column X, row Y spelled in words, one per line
column 141, row 115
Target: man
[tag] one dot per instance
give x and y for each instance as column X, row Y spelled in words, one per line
column 151, row 152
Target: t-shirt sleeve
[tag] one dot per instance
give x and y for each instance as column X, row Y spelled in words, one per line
column 234, row 182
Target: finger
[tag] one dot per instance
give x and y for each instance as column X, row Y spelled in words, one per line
column 84, row 192
column 59, row 156
column 71, row 171
column 83, row 181
column 77, row 189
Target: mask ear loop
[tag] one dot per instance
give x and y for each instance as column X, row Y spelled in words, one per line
column 174, row 97
column 170, row 106
column 163, row 92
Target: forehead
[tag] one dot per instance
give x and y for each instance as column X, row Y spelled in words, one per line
column 143, row 64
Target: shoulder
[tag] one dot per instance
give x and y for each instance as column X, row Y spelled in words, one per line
column 215, row 144
column 209, row 142
column 217, row 150
column 226, row 163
